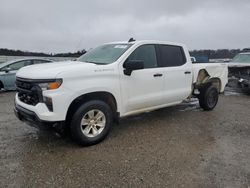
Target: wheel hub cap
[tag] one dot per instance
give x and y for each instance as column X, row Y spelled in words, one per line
column 93, row 123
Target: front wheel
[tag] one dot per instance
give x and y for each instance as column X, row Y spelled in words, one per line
column 91, row 122
column 208, row 97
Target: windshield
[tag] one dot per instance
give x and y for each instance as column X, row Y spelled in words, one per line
column 6, row 63
column 105, row 54
column 242, row 58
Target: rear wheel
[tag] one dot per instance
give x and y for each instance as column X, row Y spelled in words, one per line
column 91, row 122
column 208, row 97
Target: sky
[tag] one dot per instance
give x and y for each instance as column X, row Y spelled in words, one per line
column 55, row 26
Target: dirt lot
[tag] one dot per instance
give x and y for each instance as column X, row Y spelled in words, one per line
column 179, row 146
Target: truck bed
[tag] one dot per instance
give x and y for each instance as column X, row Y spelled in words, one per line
column 215, row 70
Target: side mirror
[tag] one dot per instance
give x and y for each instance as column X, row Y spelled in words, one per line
column 193, row 59
column 131, row 65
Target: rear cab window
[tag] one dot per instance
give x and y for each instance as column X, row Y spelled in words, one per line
column 171, row 56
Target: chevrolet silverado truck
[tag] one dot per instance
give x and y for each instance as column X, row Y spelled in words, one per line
column 112, row 81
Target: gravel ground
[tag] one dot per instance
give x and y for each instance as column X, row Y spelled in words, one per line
column 180, row 146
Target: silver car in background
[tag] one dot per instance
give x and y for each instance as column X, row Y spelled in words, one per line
column 8, row 71
column 240, row 60
column 239, row 71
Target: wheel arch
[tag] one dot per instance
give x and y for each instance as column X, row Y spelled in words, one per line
column 204, row 79
column 104, row 96
column 216, row 82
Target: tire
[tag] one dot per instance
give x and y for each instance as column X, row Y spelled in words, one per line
column 91, row 122
column 1, row 85
column 208, row 97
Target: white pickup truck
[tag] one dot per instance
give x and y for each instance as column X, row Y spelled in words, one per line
column 111, row 81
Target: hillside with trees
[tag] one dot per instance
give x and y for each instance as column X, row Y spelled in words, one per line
column 216, row 54
column 10, row 52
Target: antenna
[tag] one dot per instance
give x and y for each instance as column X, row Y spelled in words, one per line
column 131, row 40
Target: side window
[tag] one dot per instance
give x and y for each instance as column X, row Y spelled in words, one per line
column 3, row 68
column 147, row 54
column 172, row 56
column 20, row 64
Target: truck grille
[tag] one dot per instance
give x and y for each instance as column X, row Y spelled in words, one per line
column 28, row 91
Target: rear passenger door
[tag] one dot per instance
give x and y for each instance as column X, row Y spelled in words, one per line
column 177, row 73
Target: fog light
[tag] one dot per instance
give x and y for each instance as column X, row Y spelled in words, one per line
column 49, row 103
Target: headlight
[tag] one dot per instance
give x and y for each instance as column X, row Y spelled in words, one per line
column 51, row 85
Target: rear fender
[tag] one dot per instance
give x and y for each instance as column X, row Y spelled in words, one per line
column 205, row 79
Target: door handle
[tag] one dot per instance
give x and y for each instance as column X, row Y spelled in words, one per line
column 187, row 72
column 157, row 75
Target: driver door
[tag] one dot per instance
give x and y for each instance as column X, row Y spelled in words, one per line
column 143, row 88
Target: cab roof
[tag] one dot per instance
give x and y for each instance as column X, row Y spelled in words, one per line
column 147, row 42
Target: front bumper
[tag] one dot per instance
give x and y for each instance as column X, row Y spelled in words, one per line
column 42, row 111
column 31, row 103
column 31, row 118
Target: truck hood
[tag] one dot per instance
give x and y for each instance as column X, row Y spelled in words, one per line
column 51, row 70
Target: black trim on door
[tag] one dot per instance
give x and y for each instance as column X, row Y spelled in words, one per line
column 158, row 55
column 157, row 75
column 187, row 72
